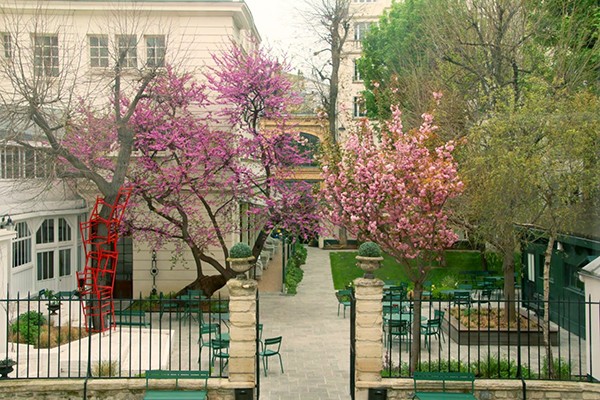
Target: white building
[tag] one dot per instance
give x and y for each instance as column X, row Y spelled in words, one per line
column 68, row 49
column 350, row 104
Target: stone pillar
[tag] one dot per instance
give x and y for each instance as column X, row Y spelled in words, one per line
column 369, row 329
column 242, row 330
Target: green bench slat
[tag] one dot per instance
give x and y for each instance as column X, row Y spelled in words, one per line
column 444, row 377
column 200, row 394
column 175, row 394
column 443, row 395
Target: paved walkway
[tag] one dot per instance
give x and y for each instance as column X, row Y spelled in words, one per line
column 315, row 347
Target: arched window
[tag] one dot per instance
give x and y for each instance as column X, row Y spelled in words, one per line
column 21, row 247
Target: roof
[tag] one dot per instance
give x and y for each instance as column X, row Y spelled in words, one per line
column 592, row 269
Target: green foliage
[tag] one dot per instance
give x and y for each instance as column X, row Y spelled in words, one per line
column 369, row 249
column 562, row 369
column 489, row 368
column 28, row 326
column 300, row 254
column 106, row 369
column 240, row 250
column 293, row 276
column 494, row 368
column 493, row 260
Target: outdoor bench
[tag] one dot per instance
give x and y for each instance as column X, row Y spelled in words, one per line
column 443, row 377
column 159, row 394
column 125, row 317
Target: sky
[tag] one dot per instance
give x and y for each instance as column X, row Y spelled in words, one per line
column 283, row 28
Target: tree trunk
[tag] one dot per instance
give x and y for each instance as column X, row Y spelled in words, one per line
column 508, row 267
column 208, row 284
column 546, row 319
column 415, row 346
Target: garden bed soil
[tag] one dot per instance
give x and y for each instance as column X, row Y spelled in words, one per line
column 526, row 335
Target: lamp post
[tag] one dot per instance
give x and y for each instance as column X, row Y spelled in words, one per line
column 7, row 223
column 154, row 272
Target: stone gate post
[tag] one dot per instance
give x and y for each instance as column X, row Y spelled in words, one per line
column 369, row 332
column 242, row 330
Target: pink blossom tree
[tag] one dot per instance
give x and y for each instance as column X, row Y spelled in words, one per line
column 391, row 187
column 202, row 153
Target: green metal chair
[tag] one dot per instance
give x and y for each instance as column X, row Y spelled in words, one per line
column 431, row 328
column 272, row 347
column 462, row 298
column 220, row 351
column 399, row 329
column 426, row 294
column 343, row 297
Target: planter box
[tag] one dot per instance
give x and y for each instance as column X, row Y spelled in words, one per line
column 465, row 336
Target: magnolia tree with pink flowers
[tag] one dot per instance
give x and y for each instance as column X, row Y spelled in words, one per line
column 202, row 158
column 392, row 187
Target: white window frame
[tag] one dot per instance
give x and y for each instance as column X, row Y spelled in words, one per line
column 356, row 76
column 359, row 110
column 127, row 44
column 23, row 163
column 56, row 264
column 6, row 45
column 21, row 245
column 360, row 29
column 98, row 45
column 531, row 267
column 46, row 60
column 155, row 51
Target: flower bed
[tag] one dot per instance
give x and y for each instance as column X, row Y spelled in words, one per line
column 481, row 327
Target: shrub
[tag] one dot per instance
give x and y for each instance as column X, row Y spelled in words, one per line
column 27, row 326
column 300, row 254
column 369, row 249
column 494, row 368
column 106, row 368
column 240, row 250
column 293, row 276
column 562, row 369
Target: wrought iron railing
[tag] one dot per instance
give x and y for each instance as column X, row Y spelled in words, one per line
column 46, row 341
column 473, row 336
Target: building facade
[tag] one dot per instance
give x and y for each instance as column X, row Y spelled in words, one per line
column 68, row 50
column 350, row 102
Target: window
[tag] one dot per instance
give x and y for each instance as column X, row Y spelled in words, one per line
column 127, row 45
column 155, row 51
column 45, row 265
column 21, row 247
column 45, row 57
column 64, row 262
column 98, row 51
column 360, row 30
column 45, row 233
column 21, row 163
column 6, row 45
column 531, row 267
column 359, row 107
column 64, row 230
column 356, row 76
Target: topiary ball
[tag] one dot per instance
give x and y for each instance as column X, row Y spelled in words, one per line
column 369, row 249
column 240, row 250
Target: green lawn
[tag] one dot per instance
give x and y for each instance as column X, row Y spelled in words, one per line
column 344, row 269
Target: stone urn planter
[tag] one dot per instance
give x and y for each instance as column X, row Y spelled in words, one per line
column 240, row 259
column 369, row 258
column 6, row 367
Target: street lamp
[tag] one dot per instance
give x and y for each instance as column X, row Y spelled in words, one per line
column 7, row 223
column 154, row 272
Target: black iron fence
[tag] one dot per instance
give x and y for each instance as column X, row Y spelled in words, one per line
column 474, row 334
column 42, row 338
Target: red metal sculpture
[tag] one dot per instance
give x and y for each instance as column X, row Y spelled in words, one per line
column 96, row 282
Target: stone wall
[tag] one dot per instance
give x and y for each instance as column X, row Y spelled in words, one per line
column 97, row 389
column 492, row 389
